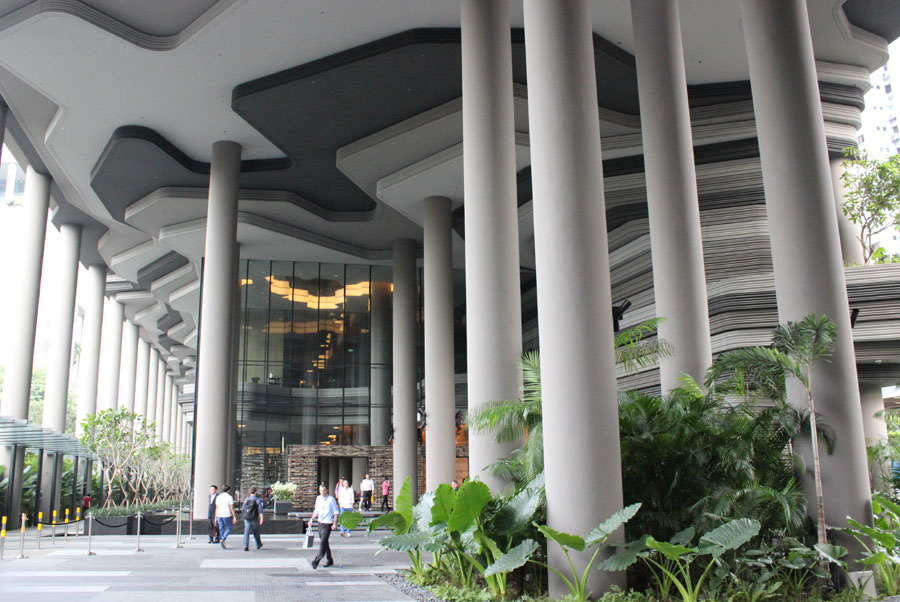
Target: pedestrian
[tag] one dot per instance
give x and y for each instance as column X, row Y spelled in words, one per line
column 326, row 511
column 211, row 522
column 454, row 484
column 385, row 490
column 224, row 514
column 345, row 501
column 252, row 513
column 337, row 486
column 367, row 489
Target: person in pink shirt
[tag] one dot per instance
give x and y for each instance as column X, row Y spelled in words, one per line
column 385, row 490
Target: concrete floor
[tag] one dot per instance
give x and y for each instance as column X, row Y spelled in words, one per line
column 198, row 572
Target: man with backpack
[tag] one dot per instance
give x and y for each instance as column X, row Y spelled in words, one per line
column 251, row 511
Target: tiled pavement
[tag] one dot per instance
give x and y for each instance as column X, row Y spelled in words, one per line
column 198, row 572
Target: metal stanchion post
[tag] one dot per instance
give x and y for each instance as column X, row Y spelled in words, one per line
column 138, row 548
column 77, row 520
column 66, row 536
column 53, row 529
column 22, row 539
column 191, row 519
column 2, row 536
column 39, row 528
column 90, row 524
column 178, row 543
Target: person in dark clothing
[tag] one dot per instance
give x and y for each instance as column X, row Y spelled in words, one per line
column 252, row 513
column 327, row 512
column 211, row 515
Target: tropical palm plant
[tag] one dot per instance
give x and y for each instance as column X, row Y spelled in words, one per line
column 797, row 347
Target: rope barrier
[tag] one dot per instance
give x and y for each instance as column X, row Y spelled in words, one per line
column 128, row 519
column 159, row 524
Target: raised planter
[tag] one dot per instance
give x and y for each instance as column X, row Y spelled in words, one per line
column 282, row 506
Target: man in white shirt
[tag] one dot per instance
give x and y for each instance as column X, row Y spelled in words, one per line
column 345, row 501
column 224, row 514
column 367, row 488
column 327, row 512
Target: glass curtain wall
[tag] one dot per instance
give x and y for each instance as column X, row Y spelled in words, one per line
column 306, row 365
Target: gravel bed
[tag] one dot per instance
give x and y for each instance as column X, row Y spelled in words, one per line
column 399, row 581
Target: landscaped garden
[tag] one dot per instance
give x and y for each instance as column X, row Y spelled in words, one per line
column 713, row 510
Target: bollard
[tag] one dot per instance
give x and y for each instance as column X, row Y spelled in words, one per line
column 66, row 536
column 77, row 519
column 53, row 529
column 191, row 519
column 178, row 543
column 39, row 527
column 22, row 539
column 2, row 536
column 138, row 548
column 90, row 523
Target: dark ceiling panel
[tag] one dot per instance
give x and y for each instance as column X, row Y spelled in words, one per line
column 881, row 17
column 163, row 18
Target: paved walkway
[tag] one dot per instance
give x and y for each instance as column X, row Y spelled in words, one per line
column 280, row 571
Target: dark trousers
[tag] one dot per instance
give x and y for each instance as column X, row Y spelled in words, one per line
column 252, row 526
column 324, row 548
column 384, row 503
column 367, row 500
column 213, row 529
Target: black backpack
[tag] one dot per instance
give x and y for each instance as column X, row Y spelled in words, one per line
column 252, row 512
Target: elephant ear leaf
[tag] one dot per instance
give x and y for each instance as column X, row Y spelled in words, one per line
column 422, row 511
column 406, row 541
column 444, row 496
column 392, row 521
column 729, row 536
column 607, row 527
column 403, row 503
column 566, row 540
column 350, row 520
column 669, row 550
column 518, row 511
column 625, row 555
column 471, row 499
column 513, row 559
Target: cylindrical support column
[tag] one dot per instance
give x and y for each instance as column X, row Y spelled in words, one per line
column 161, row 397
column 440, row 386
column 875, row 429
column 404, row 328
column 493, row 294
column 345, row 467
column 166, row 434
column 358, row 472
column 152, row 385
column 176, row 411
column 128, row 366
column 380, row 370
column 806, row 249
column 679, row 282
column 578, row 375
column 24, row 294
column 851, row 248
column 88, row 380
column 110, row 355
column 59, row 359
column 142, row 378
column 213, row 387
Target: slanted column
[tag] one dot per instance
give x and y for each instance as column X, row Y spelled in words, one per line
column 110, row 355
column 404, row 312
column 493, row 294
column 95, row 283
column 213, row 369
column 806, row 249
column 851, row 248
column 166, row 433
column 875, row 430
column 440, row 386
column 679, row 282
column 56, row 392
column 142, row 378
column 24, row 293
column 128, row 366
column 578, row 375
column 152, row 384
column 380, row 371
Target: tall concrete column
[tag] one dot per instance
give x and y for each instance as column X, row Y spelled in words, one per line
column 213, row 387
column 806, row 256
column 333, row 475
column 90, row 344
column 380, row 362
column 128, row 366
column 679, row 282
column 345, row 467
column 493, row 294
column 152, row 384
column 578, row 376
column 875, row 429
column 56, row 391
column 142, row 378
column 25, row 290
column 404, row 329
column 176, row 411
column 110, row 354
column 358, row 472
column 440, row 386
column 851, row 248
column 168, row 414
column 161, row 397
